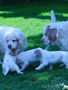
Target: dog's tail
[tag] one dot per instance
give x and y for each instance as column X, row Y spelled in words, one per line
column 53, row 18
column 37, row 53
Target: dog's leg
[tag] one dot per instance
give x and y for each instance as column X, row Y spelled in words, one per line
column 61, row 64
column 41, row 66
column 47, row 47
column 65, row 61
column 6, row 70
column 67, row 67
column 24, row 66
column 3, row 70
column 17, row 69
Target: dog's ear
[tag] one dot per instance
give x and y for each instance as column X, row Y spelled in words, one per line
column 37, row 53
column 51, row 33
column 23, row 39
column 2, row 51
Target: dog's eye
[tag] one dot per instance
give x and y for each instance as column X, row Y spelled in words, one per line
column 13, row 40
column 46, row 34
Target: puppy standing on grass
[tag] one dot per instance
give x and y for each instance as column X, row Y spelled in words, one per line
column 30, row 56
column 45, row 58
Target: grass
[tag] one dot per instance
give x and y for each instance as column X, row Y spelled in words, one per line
column 31, row 18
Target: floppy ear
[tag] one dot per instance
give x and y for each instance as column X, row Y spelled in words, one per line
column 37, row 53
column 1, row 49
column 23, row 39
column 52, row 34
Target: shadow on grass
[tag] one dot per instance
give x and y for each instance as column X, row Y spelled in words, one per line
column 34, row 42
column 33, row 10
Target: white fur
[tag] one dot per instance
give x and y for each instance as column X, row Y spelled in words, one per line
column 26, row 57
column 62, row 37
column 52, row 57
column 7, row 35
column 9, row 64
column 45, row 58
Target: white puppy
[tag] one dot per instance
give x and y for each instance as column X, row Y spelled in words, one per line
column 15, row 39
column 56, row 33
column 9, row 64
column 45, row 58
column 30, row 56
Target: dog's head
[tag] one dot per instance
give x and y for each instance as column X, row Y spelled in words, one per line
column 15, row 41
column 49, row 35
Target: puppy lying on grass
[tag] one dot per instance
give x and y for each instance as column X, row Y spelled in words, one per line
column 45, row 58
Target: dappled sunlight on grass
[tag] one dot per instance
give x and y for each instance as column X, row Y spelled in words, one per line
column 6, row 12
column 45, row 14
column 65, row 14
column 31, row 19
column 33, row 10
column 44, row 76
column 2, row 13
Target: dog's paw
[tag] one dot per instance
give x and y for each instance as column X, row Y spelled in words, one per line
column 5, row 74
column 38, row 69
column 21, row 69
column 66, row 67
column 20, row 72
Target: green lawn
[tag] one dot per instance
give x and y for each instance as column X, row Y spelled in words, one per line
column 31, row 18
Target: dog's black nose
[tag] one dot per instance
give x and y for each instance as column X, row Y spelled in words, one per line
column 9, row 46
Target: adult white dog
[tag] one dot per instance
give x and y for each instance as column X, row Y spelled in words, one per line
column 12, row 38
column 45, row 57
column 56, row 33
